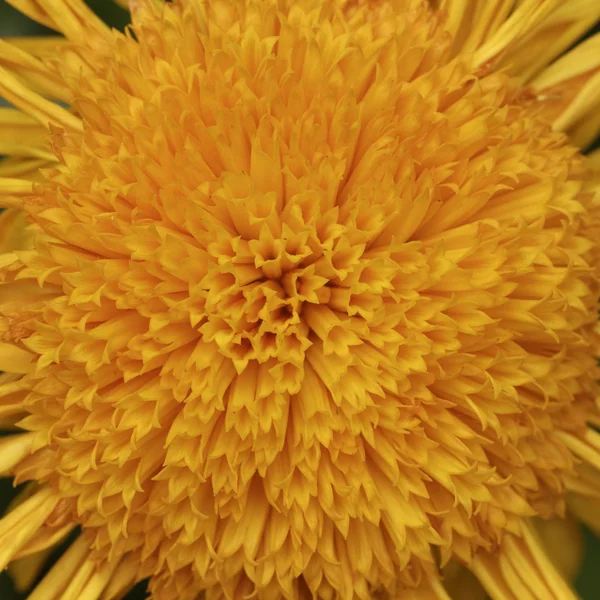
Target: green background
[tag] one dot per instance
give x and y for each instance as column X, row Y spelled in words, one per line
column 13, row 23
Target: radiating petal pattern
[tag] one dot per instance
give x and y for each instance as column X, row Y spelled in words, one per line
column 298, row 299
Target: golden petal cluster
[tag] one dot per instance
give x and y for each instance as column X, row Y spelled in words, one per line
column 306, row 301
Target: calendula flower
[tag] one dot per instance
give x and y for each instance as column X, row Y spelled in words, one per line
column 299, row 298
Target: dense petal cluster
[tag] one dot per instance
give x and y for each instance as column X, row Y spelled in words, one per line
column 307, row 306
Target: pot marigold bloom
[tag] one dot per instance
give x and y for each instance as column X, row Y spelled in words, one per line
column 298, row 298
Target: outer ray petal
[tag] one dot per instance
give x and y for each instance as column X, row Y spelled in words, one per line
column 15, row 360
column 521, row 569
column 41, row 109
column 29, row 169
column 13, row 448
column 593, row 163
column 32, row 71
column 472, row 22
column 562, row 540
column 22, row 523
column 12, row 232
column 21, row 135
column 496, row 28
column 71, row 17
column 75, row 576
column 586, row 447
column 25, row 571
column 550, row 37
column 587, row 510
column 570, row 89
column 463, row 585
column 44, row 47
column 432, row 590
column 523, row 38
column 13, row 191
column 122, row 580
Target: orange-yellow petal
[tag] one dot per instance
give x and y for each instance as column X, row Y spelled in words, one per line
column 570, row 88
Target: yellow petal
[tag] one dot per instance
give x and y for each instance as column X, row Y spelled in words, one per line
column 570, row 88
column 16, row 187
column 23, row 522
column 13, row 448
column 593, row 161
column 586, row 447
column 26, row 570
column 521, row 569
column 584, row 133
column 44, row 111
column 24, row 168
column 12, row 231
column 431, row 590
column 559, row 30
column 563, row 542
column 11, row 396
column 585, row 483
column 471, row 22
column 586, row 509
column 522, row 36
column 32, row 71
column 527, row 17
column 12, row 191
column 122, row 580
column 21, row 135
column 67, row 566
column 14, row 359
column 463, row 585
column 71, row 17
column 40, row 47
column 76, row 576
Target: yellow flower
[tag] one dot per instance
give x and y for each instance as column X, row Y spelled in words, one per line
column 298, row 298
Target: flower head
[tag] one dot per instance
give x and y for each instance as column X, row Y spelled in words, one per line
column 306, row 302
